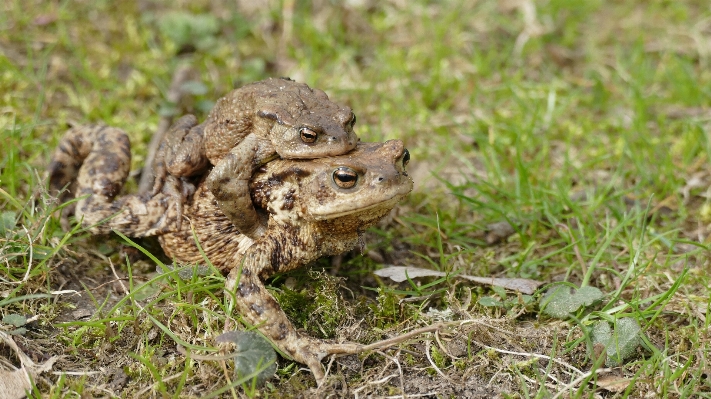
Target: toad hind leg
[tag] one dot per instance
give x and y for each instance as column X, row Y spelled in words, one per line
column 229, row 183
column 95, row 161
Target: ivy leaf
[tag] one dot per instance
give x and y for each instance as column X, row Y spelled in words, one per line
column 621, row 342
column 252, row 353
column 7, row 222
column 560, row 301
column 189, row 30
column 15, row 319
column 194, row 87
column 490, row 302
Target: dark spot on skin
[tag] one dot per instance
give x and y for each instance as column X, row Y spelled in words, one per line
column 63, row 147
column 278, row 255
column 222, row 180
column 126, row 149
column 246, row 272
column 283, row 333
column 115, row 206
column 289, row 198
column 256, row 309
column 260, row 193
column 109, row 188
column 292, row 171
column 221, row 195
column 134, row 220
column 247, row 289
column 111, row 163
column 57, row 176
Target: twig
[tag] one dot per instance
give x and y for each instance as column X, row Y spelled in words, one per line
column 399, row 369
column 328, row 367
column 29, row 264
column 562, row 363
column 576, row 249
column 174, row 95
column 183, row 351
column 120, row 280
column 142, row 392
column 400, row 338
column 577, row 380
column 432, row 363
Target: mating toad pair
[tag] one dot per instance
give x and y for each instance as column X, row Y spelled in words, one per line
column 253, row 213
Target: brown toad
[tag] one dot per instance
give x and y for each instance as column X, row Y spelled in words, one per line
column 247, row 128
column 315, row 208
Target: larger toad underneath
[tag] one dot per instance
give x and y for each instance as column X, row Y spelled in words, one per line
column 315, row 208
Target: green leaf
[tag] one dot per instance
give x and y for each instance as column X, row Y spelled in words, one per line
column 18, row 331
column 194, row 87
column 560, row 301
column 168, row 109
column 147, row 290
column 619, row 343
column 7, row 222
column 186, row 273
column 523, row 300
column 253, row 352
column 500, row 291
column 490, row 302
column 15, row 319
column 205, row 105
column 184, row 28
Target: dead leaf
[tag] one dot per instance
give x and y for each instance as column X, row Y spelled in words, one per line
column 401, row 273
column 497, row 232
column 613, row 383
column 45, row 19
column 14, row 383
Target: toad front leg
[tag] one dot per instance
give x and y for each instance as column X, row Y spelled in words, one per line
column 258, row 307
column 181, row 154
column 229, row 183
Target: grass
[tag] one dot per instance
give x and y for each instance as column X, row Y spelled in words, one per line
column 583, row 125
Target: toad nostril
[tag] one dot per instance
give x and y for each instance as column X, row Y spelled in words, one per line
column 380, row 179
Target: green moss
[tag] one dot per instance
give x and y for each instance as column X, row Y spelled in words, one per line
column 316, row 304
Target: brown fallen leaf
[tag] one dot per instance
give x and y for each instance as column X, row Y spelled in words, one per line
column 497, row 232
column 14, row 383
column 613, row 383
column 401, row 273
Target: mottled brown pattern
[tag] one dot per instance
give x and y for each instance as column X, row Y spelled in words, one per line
column 301, row 227
column 247, row 128
column 94, row 161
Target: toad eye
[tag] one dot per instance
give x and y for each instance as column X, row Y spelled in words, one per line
column 405, row 158
column 345, row 177
column 307, row 135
